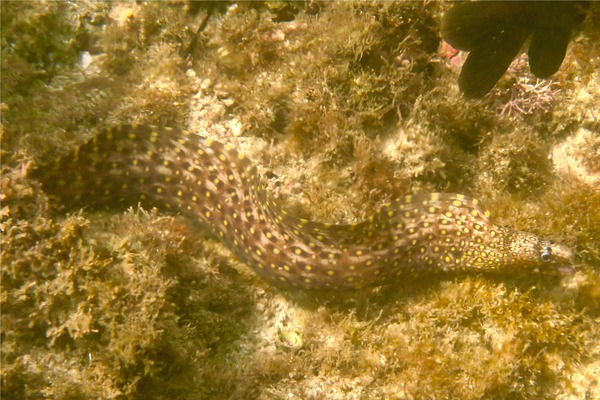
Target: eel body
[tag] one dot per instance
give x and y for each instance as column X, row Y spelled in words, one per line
column 212, row 183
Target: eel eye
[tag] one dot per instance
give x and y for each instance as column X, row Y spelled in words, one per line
column 546, row 254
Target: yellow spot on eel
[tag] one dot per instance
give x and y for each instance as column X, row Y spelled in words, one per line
column 435, row 231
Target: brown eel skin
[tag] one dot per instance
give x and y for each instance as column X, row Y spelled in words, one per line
column 212, row 183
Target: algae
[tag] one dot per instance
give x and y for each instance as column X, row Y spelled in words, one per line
column 342, row 117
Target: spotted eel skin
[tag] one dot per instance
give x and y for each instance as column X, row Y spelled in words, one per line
column 212, row 183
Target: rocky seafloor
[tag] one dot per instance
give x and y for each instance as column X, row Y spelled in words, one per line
column 345, row 106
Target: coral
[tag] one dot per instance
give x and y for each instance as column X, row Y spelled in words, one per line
column 494, row 32
column 521, row 94
column 526, row 98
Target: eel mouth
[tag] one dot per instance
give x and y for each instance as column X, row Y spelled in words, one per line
column 566, row 269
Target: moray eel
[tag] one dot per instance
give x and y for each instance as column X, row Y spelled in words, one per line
column 212, row 183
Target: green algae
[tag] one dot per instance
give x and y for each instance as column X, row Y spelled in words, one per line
column 342, row 118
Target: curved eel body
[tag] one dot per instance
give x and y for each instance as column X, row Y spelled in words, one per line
column 212, row 183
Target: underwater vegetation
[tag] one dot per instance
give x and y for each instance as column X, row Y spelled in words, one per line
column 494, row 32
column 341, row 118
